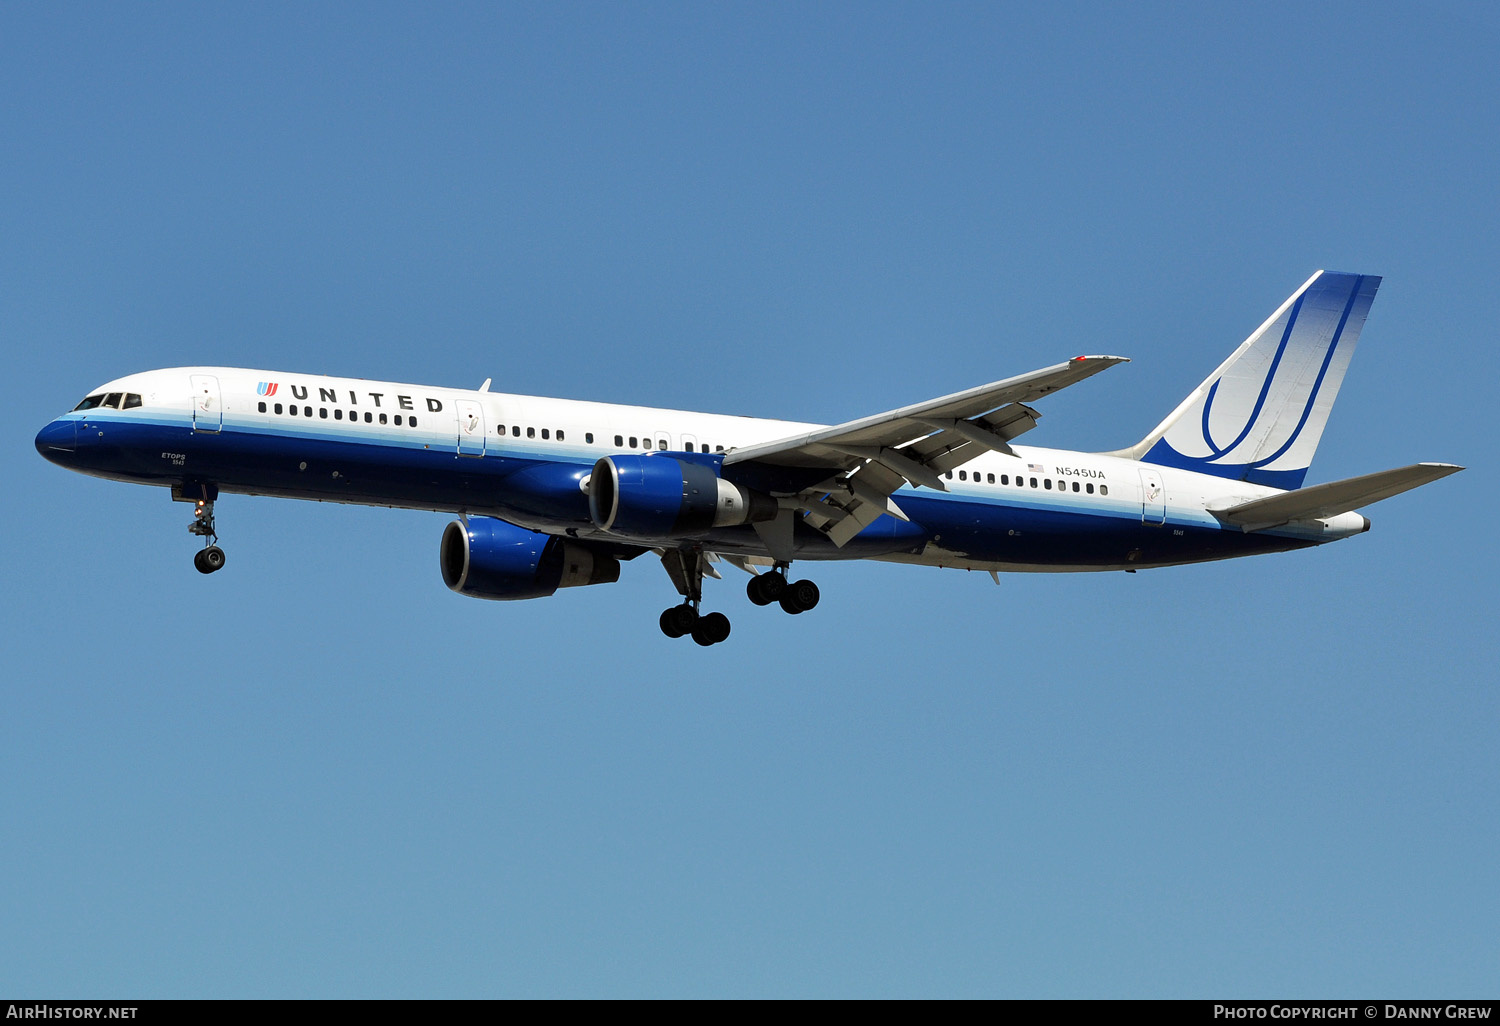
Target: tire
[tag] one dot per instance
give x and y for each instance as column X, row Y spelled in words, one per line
column 678, row 620
column 213, row 559
column 199, row 564
column 765, row 589
column 716, row 626
column 800, row 597
column 711, row 629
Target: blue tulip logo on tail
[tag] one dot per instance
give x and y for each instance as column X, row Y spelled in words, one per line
column 1259, row 417
column 266, row 388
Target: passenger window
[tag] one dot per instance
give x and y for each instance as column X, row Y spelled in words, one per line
column 949, row 475
column 661, row 443
column 132, row 400
column 368, row 418
column 292, row 410
column 278, row 409
column 634, row 442
column 1089, row 488
column 689, row 447
column 398, row 420
column 963, row 475
column 338, row 414
column 1005, row 479
column 1033, row 482
column 411, row 421
column 588, row 437
column 1104, row 489
column 322, row 412
column 262, row 407
column 307, row 411
column 1075, row 486
column 619, row 441
column 382, row 418
column 531, row 432
column 559, row 434
column 991, row 478
column 1047, row 483
column 544, row 434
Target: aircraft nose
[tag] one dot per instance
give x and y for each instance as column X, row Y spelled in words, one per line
column 57, row 440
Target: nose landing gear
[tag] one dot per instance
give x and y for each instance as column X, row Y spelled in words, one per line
column 211, row 558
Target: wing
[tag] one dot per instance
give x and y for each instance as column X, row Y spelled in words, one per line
column 868, row 459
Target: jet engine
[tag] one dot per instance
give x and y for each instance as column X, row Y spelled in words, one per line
column 663, row 497
column 493, row 559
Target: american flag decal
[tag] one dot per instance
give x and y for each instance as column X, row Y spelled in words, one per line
column 1035, row 468
column 267, row 388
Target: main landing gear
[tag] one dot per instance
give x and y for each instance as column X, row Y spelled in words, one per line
column 705, row 628
column 687, row 568
column 793, row 596
column 202, row 524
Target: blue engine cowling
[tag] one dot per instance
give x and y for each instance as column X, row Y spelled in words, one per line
column 494, row 559
column 663, row 497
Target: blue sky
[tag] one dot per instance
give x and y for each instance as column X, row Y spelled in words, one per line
column 319, row 773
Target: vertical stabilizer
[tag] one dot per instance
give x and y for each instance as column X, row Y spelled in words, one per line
column 1259, row 417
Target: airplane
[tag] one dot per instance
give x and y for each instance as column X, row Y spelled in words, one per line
column 557, row 493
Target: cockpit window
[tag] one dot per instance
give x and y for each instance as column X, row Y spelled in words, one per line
column 111, row 401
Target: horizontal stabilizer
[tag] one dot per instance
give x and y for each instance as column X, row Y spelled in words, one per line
column 1327, row 500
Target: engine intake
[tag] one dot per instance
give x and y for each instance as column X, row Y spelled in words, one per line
column 495, row 559
column 661, row 497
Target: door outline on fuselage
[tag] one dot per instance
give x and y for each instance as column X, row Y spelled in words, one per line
column 208, row 406
column 1153, row 498
column 470, row 427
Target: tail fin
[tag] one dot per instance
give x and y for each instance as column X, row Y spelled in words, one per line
column 1259, row 417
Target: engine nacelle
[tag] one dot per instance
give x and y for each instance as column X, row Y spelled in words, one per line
column 662, row 497
column 494, row 559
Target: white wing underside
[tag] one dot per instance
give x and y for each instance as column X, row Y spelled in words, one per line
column 868, row 459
